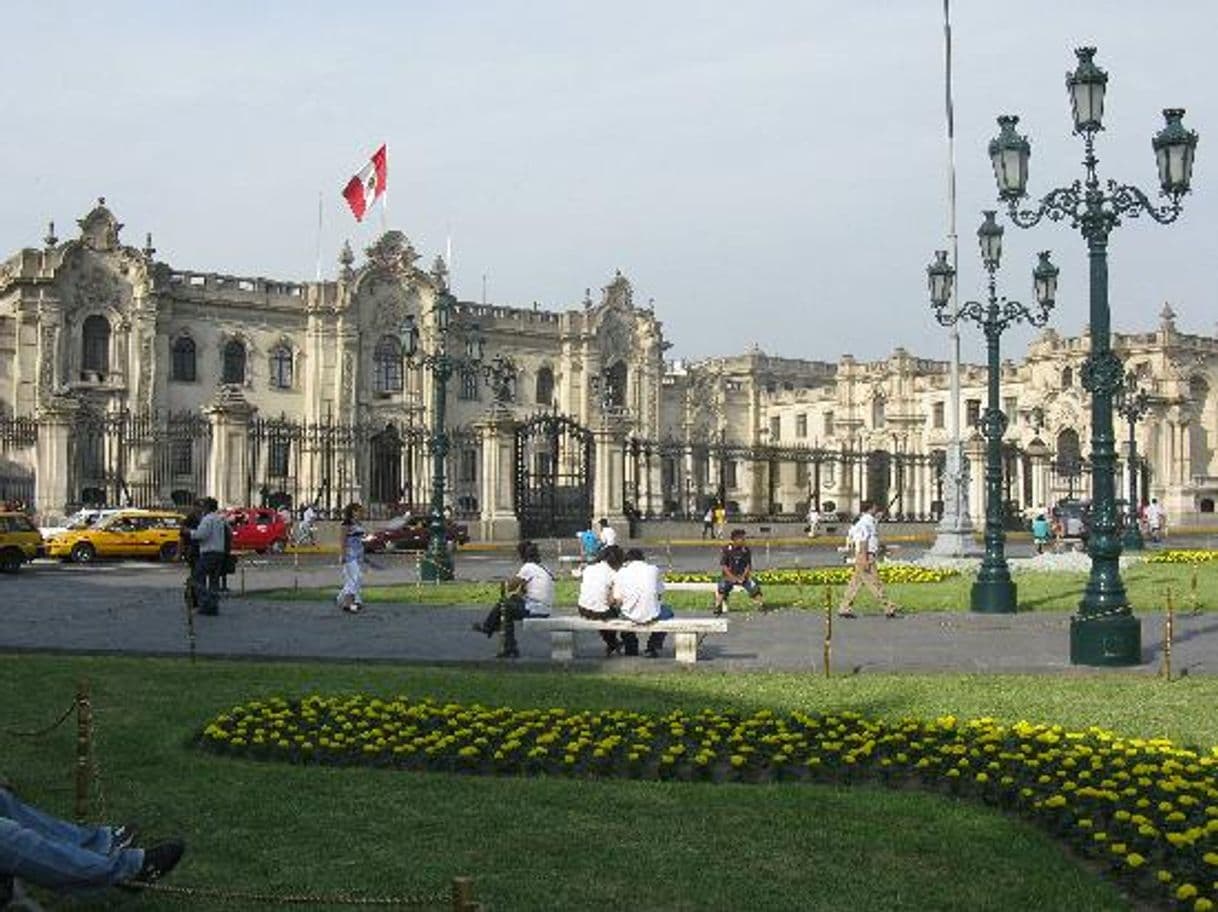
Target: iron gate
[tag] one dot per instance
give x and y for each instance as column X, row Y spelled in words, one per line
column 18, row 437
column 553, row 489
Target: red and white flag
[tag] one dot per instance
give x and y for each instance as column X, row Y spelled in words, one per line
column 368, row 186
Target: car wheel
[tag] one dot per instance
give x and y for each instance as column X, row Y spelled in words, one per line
column 11, row 560
column 83, row 553
column 169, row 552
column 278, row 545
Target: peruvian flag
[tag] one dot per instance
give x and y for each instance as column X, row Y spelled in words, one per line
column 368, row 186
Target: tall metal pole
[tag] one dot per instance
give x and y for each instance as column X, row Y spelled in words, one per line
column 954, row 535
column 438, row 564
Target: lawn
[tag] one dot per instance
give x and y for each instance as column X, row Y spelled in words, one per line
column 1146, row 583
column 550, row 843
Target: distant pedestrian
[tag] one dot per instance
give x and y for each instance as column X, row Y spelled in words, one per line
column 1041, row 533
column 708, row 523
column 350, row 596
column 608, row 533
column 864, row 540
column 720, row 520
column 212, row 538
column 813, row 520
column 1156, row 520
column 589, row 544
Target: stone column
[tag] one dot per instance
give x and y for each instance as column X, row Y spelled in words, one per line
column 227, row 474
column 53, row 455
column 608, row 484
column 498, row 520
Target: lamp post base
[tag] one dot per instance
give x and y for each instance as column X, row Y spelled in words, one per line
column 437, row 565
column 1132, row 539
column 1112, row 639
column 993, row 597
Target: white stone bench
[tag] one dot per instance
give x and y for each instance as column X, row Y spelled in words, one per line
column 690, row 587
column 687, row 632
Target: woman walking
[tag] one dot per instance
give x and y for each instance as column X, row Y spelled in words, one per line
column 350, row 598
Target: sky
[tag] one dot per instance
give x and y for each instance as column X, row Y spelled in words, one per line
column 771, row 173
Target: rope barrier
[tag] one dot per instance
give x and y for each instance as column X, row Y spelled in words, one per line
column 438, row 898
column 38, row 733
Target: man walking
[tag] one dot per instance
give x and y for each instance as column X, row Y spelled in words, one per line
column 1156, row 520
column 864, row 540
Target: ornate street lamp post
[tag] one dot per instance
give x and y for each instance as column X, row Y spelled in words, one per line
column 1132, row 404
column 994, row 591
column 437, row 561
column 1104, row 631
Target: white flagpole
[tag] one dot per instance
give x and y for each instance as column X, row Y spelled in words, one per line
column 319, row 195
column 448, row 258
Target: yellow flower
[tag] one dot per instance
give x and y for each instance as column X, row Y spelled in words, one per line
column 1134, row 860
column 1203, row 905
column 1186, row 891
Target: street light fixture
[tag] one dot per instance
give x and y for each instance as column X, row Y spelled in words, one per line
column 437, row 561
column 1104, row 631
column 1132, row 404
column 993, row 591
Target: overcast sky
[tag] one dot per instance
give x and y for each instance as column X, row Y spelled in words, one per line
column 769, row 172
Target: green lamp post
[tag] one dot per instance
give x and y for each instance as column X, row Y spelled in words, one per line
column 993, row 591
column 437, row 561
column 1104, row 631
column 1132, row 404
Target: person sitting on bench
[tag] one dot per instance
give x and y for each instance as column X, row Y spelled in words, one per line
column 53, row 853
column 596, row 595
column 530, row 593
column 638, row 588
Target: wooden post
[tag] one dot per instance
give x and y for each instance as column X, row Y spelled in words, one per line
column 243, row 579
column 668, row 552
column 463, row 895
column 295, row 571
column 1168, row 623
column 1193, row 598
column 828, row 628
column 84, row 749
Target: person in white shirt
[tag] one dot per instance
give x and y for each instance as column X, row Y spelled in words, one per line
column 638, row 589
column 1156, row 519
column 608, row 534
column 813, row 520
column 596, row 594
column 530, row 593
column 864, row 540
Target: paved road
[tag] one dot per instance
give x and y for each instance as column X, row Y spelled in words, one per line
column 137, row 608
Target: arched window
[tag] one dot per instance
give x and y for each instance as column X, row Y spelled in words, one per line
column 233, row 369
column 182, row 360
column 281, row 367
column 387, row 365
column 95, row 346
column 1067, row 377
column 1069, row 461
column 616, row 377
column 545, row 386
column 877, row 412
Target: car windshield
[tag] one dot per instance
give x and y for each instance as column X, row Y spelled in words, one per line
column 398, row 522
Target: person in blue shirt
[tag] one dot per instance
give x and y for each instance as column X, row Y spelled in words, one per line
column 589, row 544
column 1040, row 532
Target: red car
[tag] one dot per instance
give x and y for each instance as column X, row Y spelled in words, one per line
column 411, row 533
column 258, row 529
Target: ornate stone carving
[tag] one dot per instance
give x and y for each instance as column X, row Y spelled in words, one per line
column 46, row 361
column 348, row 378
column 94, row 288
column 99, row 229
column 619, row 293
column 146, row 356
column 1103, row 374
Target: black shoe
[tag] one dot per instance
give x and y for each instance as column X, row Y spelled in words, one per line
column 632, row 653
column 508, row 652
column 612, row 649
column 651, row 653
column 123, row 837
column 160, row 860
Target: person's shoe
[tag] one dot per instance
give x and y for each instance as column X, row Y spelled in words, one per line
column 846, row 613
column 160, row 860
column 651, row 653
column 632, row 653
column 510, row 652
column 892, row 612
column 612, row 649
column 720, row 610
column 123, row 837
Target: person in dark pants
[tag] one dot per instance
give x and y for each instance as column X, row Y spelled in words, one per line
column 638, row 589
column 530, row 593
column 211, row 538
column 596, row 594
column 188, row 548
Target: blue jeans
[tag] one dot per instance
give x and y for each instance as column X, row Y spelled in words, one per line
column 57, row 854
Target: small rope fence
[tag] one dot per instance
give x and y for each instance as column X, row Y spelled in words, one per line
column 87, row 778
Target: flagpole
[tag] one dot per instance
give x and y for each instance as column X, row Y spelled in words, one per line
column 319, row 196
column 448, row 258
column 954, row 534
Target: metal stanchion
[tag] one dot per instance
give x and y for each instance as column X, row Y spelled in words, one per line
column 1168, row 632
column 84, row 749
column 828, row 649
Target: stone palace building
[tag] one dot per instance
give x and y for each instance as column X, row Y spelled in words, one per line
column 125, row 380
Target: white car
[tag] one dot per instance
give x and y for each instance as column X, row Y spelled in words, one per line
column 81, row 519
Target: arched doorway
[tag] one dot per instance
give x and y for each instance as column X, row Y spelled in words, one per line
column 385, row 467
column 879, row 478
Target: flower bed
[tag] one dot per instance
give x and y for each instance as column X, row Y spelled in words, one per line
column 829, row 576
column 1183, row 556
column 1147, row 810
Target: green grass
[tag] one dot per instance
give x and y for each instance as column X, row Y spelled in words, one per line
column 551, row 843
column 1147, row 585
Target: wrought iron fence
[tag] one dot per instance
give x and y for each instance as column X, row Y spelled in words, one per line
column 18, row 437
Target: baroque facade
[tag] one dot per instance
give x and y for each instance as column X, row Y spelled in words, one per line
column 124, row 379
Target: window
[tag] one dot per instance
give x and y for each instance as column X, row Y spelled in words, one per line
column 182, row 457
column 729, row 474
column 281, row 367
column 234, row 362
column 616, row 378
column 801, row 475
column 972, row 412
column 95, row 345
column 468, row 470
column 877, row 413
column 801, row 425
column 937, row 415
column 775, row 428
column 469, row 385
column 182, row 360
column 1067, row 378
column 828, row 424
column 279, row 458
column 387, row 365
column 545, row 386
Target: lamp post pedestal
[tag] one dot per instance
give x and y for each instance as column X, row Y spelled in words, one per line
column 954, row 534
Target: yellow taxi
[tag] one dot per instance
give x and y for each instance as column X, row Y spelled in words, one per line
column 150, row 534
column 20, row 541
